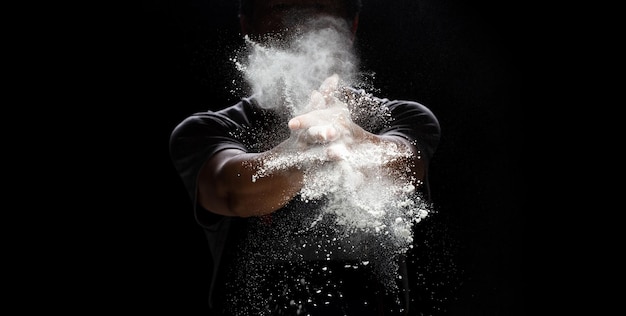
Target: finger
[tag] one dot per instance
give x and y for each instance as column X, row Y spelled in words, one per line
column 317, row 101
column 334, row 115
column 294, row 124
column 334, row 102
column 322, row 134
column 329, row 85
column 306, row 120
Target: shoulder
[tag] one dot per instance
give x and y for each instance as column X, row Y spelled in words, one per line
column 230, row 117
column 397, row 108
column 413, row 109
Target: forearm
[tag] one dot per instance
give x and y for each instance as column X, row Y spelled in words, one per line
column 408, row 162
column 332, row 127
column 229, row 185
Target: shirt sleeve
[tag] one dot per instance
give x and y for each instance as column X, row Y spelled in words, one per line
column 408, row 119
column 195, row 140
column 416, row 123
column 192, row 142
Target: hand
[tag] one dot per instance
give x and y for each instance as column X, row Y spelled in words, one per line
column 327, row 123
column 317, row 126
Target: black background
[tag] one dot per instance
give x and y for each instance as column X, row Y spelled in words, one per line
column 462, row 60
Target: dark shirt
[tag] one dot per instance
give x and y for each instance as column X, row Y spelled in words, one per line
column 313, row 273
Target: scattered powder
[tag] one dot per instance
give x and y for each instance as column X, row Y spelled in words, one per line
column 351, row 210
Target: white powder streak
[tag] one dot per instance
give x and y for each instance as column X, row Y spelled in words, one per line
column 284, row 73
column 366, row 202
column 361, row 194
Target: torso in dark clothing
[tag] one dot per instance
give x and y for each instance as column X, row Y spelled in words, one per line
column 297, row 260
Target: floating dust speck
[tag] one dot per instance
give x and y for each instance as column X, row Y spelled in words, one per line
column 353, row 213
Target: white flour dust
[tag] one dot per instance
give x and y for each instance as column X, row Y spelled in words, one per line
column 352, row 209
column 283, row 73
column 360, row 193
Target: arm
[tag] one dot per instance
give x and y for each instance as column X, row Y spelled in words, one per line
column 412, row 167
column 226, row 186
column 404, row 160
column 229, row 184
column 340, row 136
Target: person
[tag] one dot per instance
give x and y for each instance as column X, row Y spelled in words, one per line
column 251, row 169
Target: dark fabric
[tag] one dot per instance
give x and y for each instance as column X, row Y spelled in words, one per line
column 251, row 128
